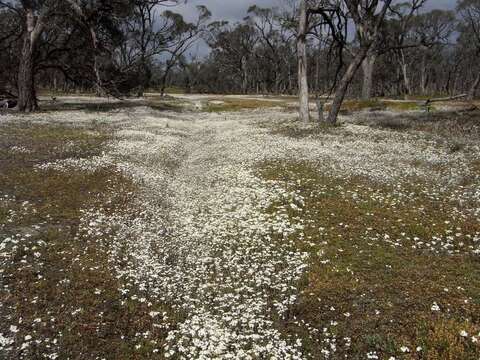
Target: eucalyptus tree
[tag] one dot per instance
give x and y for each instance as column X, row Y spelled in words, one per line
column 33, row 15
column 402, row 37
column 367, row 16
column 469, row 27
column 60, row 27
column 433, row 31
column 233, row 49
column 183, row 36
column 101, row 21
column 153, row 33
column 273, row 50
column 315, row 17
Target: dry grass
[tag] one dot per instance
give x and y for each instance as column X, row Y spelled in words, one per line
column 446, row 124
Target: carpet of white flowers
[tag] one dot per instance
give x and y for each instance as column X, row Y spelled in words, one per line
column 218, row 242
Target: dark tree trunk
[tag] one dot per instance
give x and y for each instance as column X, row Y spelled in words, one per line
column 165, row 78
column 27, row 99
column 164, row 85
column 344, row 83
column 146, row 74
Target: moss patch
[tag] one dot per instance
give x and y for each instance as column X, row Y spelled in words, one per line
column 230, row 105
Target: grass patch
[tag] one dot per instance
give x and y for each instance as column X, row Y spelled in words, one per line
column 230, row 105
column 155, row 102
column 401, row 106
column 59, row 295
column 174, row 90
column 371, row 283
column 350, row 106
column 298, row 130
column 450, row 125
column 358, row 105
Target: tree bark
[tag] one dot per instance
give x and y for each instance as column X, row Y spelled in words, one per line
column 145, row 77
column 27, row 99
column 344, row 83
column 244, row 74
column 99, row 91
column 304, row 112
column 164, row 84
column 473, row 89
column 320, row 108
column 368, row 65
column 406, row 79
column 423, row 75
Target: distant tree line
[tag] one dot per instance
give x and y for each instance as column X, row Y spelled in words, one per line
column 359, row 48
column 112, row 47
column 329, row 48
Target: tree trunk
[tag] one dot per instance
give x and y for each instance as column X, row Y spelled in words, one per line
column 164, row 84
column 317, row 68
column 406, row 79
column 368, row 66
column 423, row 75
column 27, row 99
column 145, row 76
column 99, row 91
column 320, row 108
column 302, row 64
column 244, row 75
column 404, row 69
column 474, row 88
column 344, row 83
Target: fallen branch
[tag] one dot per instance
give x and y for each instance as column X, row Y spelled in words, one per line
column 456, row 97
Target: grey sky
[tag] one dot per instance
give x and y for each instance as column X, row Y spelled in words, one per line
column 235, row 10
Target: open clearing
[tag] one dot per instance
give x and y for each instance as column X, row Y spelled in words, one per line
column 221, row 228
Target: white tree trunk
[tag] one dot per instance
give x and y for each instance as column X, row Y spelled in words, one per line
column 302, row 64
column 368, row 66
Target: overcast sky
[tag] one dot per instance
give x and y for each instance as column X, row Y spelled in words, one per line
column 235, row 10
